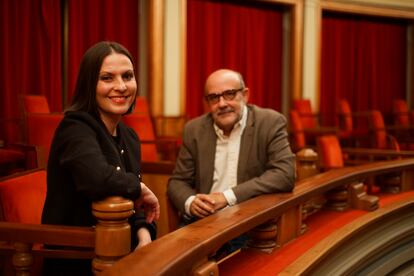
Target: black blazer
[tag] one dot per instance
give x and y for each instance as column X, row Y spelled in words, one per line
column 87, row 164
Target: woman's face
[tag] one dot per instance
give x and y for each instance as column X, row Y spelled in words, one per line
column 116, row 87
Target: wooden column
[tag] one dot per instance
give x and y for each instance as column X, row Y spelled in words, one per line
column 22, row 259
column 113, row 232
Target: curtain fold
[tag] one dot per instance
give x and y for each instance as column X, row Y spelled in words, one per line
column 364, row 61
column 31, row 57
column 239, row 36
column 95, row 20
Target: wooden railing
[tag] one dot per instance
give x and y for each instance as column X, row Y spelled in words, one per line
column 105, row 243
column 187, row 250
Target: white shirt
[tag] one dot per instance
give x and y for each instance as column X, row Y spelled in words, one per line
column 225, row 162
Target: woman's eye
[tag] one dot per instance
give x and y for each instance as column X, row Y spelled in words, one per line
column 105, row 78
column 128, row 76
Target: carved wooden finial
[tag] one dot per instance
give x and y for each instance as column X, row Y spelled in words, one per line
column 113, row 232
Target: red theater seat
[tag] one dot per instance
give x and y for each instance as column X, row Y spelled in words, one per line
column 40, row 129
column 304, row 109
column 401, row 114
column 143, row 126
column 297, row 135
column 22, row 197
column 380, row 138
column 330, row 153
column 35, row 104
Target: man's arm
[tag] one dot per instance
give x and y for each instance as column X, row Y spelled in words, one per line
column 278, row 172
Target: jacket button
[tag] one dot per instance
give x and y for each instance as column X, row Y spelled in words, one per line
column 122, row 151
column 118, row 168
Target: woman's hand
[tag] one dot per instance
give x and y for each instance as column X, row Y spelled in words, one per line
column 149, row 202
column 144, row 237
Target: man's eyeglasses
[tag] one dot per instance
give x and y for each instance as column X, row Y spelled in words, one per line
column 228, row 95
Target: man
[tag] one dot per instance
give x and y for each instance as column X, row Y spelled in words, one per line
column 233, row 153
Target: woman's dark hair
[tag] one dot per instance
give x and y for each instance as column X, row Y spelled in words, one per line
column 84, row 98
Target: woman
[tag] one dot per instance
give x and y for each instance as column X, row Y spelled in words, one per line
column 94, row 155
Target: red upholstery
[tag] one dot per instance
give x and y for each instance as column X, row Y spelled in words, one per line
column 381, row 139
column 350, row 133
column 35, row 104
column 330, row 152
column 141, row 106
column 143, row 126
column 40, row 129
column 401, row 113
column 296, row 129
column 345, row 116
column 22, row 197
column 304, row 109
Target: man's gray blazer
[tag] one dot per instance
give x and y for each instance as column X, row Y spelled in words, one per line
column 266, row 162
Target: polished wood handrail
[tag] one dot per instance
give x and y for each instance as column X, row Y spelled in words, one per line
column 371, row 152
column 48, row 234
column 187, row 250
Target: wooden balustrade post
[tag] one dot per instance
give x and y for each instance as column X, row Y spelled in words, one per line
column 22, row 258
column 390, row 182
column 306, row 162
column 264, row 236
column 407, row 180
column 338, row 198
column 113, row 232
column 289, row 225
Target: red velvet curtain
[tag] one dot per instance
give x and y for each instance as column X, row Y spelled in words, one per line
column 31, row 57
column 364, row 61
column 94, row 20
column 236, row 35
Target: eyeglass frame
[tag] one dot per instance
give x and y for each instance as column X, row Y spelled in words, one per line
column 227, row 95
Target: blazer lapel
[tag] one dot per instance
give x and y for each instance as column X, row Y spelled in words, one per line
column 207, row 150
column 245, row 144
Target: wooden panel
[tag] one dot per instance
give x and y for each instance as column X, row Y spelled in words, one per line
column 155, row 176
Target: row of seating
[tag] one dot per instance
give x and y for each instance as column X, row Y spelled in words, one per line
column 401, row 114
column 362, row 129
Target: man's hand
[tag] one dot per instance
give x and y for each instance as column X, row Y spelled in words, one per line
column 220, row 200
column 204, row 205
column 149, row 202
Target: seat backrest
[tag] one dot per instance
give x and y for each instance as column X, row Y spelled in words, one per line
column 22, row 196
column 296, row 130
column 400, row 113
column 330, row 152
column 143, row 126
column 35, row 104
column 381, row 139
column 304, row 109
column 40, row 129
column 377, row 126
column 141, row 105
column 345, row 116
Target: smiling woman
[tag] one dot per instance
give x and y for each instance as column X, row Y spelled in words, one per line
column 94, row 155
column 116, row 89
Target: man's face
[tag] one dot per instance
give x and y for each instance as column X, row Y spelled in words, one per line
column 230, row 97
